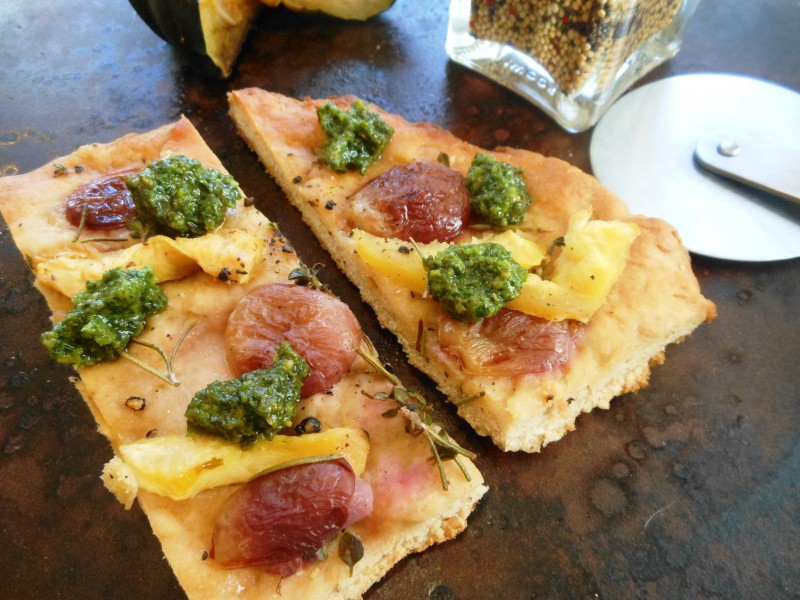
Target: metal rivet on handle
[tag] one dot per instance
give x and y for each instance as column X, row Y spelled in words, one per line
column 728, row 148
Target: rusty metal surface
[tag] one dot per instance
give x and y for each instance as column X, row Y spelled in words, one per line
column 685, row 490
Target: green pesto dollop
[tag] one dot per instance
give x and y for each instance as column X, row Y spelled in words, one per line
column 176, row 196
column 474, row 281
column 256, row 405
column 105, row 317
column 497, row 190
column 356, row 138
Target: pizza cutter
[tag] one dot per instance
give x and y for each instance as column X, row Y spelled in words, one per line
column 715, row 155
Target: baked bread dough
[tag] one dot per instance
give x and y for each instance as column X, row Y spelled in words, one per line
column 411, row 508
column 656, row 301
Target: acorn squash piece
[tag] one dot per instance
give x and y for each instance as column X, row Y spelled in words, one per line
column 209, row 32
column 354, row 10
column 181, row 466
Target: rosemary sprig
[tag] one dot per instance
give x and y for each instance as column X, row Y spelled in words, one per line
column 462, row 400
column 103, row 239
column 168, row 377
column 543, row 267
column 415, row 409
column 169, row 361
column 82, row 224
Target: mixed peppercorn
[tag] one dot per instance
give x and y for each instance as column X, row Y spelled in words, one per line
column 576, row 41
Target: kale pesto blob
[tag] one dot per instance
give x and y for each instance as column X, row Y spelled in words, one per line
column 105, row 317
column 355, row 139
column 474, row 281
column 256, row 405
column 497, row 191
column 176, row 196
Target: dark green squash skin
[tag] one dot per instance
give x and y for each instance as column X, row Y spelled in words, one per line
column 177, row 22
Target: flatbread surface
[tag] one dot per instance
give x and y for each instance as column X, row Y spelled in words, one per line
column 411, row 509
column 655, row 302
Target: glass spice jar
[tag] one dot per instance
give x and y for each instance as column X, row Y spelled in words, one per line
column 572, row 58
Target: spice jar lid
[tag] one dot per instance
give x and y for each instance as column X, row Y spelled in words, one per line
column 643, row 149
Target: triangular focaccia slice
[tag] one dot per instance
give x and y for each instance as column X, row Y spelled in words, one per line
column 613, row 338
column 411, row 510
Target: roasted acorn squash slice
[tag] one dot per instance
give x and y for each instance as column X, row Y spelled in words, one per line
column 354, row 10
column 211, row 32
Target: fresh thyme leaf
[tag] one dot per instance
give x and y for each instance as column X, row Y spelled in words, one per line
column 307, row 277
column 351, row 550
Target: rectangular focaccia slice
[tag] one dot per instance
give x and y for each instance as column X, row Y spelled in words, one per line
column 204, row 278
column 655, row 300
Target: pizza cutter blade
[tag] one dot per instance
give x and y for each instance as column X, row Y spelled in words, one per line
column 662, row 149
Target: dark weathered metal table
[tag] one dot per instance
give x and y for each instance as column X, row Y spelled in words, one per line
column 688, row 489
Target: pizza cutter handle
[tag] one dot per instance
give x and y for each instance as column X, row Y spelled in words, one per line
column 756, row 162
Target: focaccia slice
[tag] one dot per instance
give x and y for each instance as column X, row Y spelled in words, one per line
column 203, row 279
column 654, row 301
